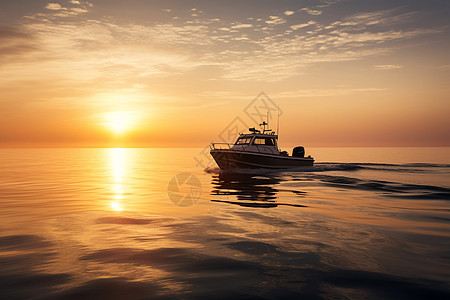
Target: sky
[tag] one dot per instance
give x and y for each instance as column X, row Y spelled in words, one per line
column 336, row 73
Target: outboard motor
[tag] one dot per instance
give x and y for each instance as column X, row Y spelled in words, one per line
column 298, row 151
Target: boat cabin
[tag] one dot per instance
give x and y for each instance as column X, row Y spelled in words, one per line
column 257, row 142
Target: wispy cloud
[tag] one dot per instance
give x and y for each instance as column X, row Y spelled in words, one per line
column 387, row 67
column 54, row 6
column 242, row 26
column 313, row 12
column 362, row 21
column 298, row 26
column 326, row 92
column 270, row 49
column 59, row 11
column 275, row 20
column 16, row 45
column 444, row 67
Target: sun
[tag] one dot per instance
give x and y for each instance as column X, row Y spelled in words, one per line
column 119, row 122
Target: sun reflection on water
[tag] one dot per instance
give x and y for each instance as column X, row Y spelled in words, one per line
column 117, row 156
column 116, row 206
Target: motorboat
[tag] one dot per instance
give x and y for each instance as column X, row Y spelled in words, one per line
column 258, row 149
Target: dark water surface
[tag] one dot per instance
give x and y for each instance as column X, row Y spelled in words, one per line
column 362, row 223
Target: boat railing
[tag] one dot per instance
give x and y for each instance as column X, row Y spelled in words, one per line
column 228, row 146
column 217, row 146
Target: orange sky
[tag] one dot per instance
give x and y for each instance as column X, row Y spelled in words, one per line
column 177, row 73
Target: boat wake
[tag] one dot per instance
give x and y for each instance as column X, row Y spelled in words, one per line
column 394, row 180
column 335, row 166
column 317, row 168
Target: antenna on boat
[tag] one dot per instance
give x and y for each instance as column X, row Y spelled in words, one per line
column 264, row 124
column 278, row 119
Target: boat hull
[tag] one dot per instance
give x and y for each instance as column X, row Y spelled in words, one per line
column 230, row 159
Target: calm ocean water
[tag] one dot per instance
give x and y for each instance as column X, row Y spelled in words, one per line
column 101, row 223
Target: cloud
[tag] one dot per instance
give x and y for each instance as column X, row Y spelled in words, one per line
column 289, row 12
column 16, row 45
column 301, row 51
column 298, row 26
column 60, row 11
column 242, row 26
column 311, row 11
column 78, row 10
column 326, row 92
column 387, row 67
column 92, row 49
column 270, row 53
column 12, row 33
column 384, row 17
column 54, row 6
column 364, row 38
column 275, row 20
column 240, row 38
column 444, row 67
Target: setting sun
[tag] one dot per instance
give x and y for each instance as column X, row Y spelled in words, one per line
column 119, row 122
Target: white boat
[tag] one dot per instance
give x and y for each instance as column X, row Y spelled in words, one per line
column 258, row 150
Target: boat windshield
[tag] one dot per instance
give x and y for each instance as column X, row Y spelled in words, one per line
column 243, row 141
column 264, row 141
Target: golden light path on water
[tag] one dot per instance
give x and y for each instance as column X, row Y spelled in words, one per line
column 117, row 160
